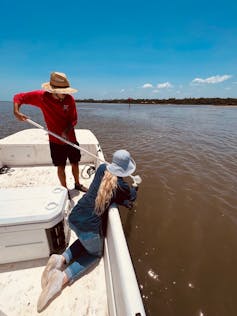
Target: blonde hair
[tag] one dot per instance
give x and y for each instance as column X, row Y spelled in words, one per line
column 107, row 187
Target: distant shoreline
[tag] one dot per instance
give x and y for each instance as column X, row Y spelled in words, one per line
column 186, row 101
column 170, row 101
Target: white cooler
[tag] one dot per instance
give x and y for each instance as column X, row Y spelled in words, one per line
column 32, row 223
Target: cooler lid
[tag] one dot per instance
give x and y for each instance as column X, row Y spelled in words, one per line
column 31, row 205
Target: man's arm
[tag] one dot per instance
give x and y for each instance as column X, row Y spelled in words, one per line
column 20, row 116
column 30, row 98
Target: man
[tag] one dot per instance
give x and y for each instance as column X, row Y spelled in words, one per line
column 59, row 110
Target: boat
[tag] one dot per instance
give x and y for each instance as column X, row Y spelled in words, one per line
column 33, row 224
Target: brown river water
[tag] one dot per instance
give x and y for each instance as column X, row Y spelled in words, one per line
column 182, row 233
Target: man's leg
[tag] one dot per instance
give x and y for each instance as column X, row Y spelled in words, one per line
column 62, row 176
column 75, row 172
column 74, row 156
column 59, row 158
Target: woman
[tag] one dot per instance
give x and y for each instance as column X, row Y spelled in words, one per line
column 88, row 219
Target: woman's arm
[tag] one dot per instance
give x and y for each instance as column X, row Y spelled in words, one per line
column 125, row 195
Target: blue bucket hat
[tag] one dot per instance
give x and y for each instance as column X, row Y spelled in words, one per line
column 122, row 164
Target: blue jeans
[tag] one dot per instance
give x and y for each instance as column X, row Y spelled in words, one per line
column 83, row 253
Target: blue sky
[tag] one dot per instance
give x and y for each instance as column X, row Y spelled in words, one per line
column 121, row 49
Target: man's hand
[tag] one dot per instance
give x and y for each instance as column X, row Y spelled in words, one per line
column 64, row 135
column 66, row 132
column 20, row 116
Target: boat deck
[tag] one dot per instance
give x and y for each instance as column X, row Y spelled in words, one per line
column 20, row 283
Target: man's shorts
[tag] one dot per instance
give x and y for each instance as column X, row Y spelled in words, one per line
column 60, row 154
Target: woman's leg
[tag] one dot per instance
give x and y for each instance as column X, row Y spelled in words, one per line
column 53, row 279
column 92, row 244
column 58, row 261
column 55, row 262
column 74, row 251
column 86, row 251
column 57, row 279
column 80, row 266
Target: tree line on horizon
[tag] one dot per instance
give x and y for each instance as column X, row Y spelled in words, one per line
column 205, row 101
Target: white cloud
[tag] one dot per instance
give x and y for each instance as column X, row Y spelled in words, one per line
column 147, row 85
column 155, row 91
column 213, row 79
column 164, row 85
column 122, row 90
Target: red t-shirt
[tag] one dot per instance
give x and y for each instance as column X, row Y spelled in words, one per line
column 58, row 115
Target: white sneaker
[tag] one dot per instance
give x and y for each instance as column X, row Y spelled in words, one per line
column 55, row 262
column 54, row 286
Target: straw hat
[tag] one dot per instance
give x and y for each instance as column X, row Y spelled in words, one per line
column 122, row 164
column 58, row 84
